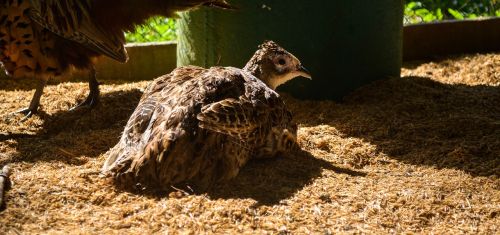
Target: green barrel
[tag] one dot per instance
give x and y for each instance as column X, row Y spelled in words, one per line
column 344, row 44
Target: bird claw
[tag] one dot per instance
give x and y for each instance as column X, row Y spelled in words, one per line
column 27, row 112
column 93, row 97
column 90, row 102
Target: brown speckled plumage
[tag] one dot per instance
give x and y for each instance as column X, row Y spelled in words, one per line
column 45, row 39
column 201, row 125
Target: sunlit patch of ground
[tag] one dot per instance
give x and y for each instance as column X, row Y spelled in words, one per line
column 416, row 154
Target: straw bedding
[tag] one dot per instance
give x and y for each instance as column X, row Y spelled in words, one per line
column 414, row 154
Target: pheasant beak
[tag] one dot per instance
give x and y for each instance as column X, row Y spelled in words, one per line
column 302, row 71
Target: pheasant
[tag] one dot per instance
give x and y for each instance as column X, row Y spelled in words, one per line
column 48, row 38
column 200, row 126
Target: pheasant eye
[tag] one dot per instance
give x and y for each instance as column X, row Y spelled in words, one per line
column 281, row 61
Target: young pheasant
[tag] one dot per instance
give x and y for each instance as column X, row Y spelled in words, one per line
column 46, row 38
column 200, row 126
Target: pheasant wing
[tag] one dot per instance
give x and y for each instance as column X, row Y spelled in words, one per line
column 71, row 19
column 234, row 117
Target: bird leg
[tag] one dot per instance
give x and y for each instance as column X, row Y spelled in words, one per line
column 35, row 101
column 93, row 98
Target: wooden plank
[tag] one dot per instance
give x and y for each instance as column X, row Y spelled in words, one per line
column 421, row 41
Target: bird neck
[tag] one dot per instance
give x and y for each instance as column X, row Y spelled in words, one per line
column 253, row 68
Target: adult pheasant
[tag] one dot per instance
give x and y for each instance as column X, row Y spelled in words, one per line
column 46, row 38
column 201, row 125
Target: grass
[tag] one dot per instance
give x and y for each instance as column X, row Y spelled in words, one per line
column 155, row 30
column 436, row 10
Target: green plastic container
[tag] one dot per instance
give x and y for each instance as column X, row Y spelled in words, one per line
column 345, row 44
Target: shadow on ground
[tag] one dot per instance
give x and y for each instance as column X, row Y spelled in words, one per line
column 66, row 136
column 28, row 84
column 419, row 121
column 272, row 180
column 267, row 181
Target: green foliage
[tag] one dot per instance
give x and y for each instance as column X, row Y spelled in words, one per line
column 456, row 14
column 434, row 10
column 156, row 29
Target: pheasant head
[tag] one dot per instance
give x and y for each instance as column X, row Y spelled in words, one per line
column 274, row 65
